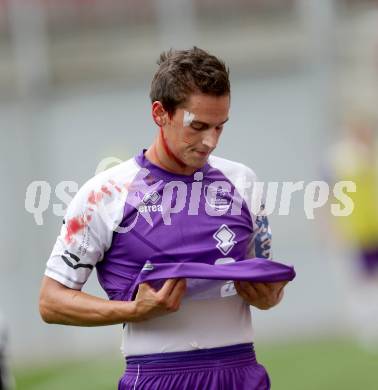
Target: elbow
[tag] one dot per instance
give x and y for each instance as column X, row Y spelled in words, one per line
column 45, row 311
column 48, row 305
column 49, row 301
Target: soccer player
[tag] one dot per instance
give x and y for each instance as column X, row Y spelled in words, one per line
column 173, row 203
column 355, row 158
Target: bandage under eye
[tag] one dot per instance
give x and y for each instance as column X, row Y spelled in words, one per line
column 188, row 118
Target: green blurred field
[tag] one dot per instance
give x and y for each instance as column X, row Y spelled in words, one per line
column 322, row 365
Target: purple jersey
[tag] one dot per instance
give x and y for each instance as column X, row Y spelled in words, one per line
column 137, row 212
column 209, row 279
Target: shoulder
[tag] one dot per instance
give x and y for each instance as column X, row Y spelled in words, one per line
column 120, row 174
column 244, row 179
column 99, row 203
column 232, row 169
column 108, row 183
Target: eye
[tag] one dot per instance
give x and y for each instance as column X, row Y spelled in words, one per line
column 198, row 126
column 219, row 128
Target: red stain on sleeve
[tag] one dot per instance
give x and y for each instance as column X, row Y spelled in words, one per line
column 92, row 197
column 99, row 196
column 114, row 184
column 74, row 225
column 105, row 190
column 95, row 197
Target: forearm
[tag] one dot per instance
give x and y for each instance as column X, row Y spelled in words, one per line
column 61, row 305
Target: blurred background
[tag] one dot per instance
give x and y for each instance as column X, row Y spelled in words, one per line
column 74, row 84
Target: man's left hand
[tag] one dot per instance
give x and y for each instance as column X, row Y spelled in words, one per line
column 261, row 295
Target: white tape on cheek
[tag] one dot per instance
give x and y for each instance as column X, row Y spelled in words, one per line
column 188, row 118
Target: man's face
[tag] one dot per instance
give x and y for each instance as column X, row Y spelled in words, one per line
column 192, row 133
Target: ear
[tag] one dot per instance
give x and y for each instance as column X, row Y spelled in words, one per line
column 159, row 114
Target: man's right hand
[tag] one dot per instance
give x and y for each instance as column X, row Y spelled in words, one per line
column 150, row 303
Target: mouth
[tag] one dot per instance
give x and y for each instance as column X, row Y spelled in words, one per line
column 202, row 154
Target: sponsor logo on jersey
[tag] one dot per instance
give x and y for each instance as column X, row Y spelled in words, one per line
column 225, row 238
column 217, row 197
column 148, row 266
column 151, row 198
column 149, row 203
column 228, row 288
column 150, row 208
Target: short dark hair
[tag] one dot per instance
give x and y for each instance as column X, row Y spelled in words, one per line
column 183, row 72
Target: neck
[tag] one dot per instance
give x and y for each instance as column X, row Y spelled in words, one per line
column 160, row 154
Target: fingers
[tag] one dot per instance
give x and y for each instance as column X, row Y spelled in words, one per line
column 281, row 287
column 240, row 291
column 261, row 295
column 179, row 290
column 266, row 288
column 171, row 293
column 150, row 303
column 262, row 289
column 144, row 288
column 246, row 291
column 277, row 285
column 167, row 288
column 177, row 294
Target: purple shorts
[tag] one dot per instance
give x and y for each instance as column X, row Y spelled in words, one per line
column 230, row 368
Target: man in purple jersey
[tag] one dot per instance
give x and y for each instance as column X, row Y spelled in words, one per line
column 173, row 203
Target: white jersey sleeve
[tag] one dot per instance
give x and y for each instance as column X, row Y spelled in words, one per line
column 88, row 226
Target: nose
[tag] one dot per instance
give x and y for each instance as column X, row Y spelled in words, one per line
column 210, row 138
